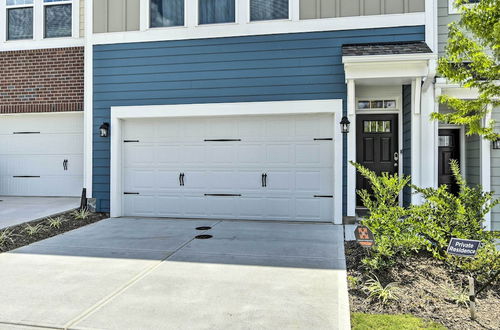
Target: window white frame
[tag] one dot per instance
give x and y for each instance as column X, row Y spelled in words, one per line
column 39, row 40
column 145, row 7
column 62, row 2
column 6, row 14
column 378, row 110
column 290, row 11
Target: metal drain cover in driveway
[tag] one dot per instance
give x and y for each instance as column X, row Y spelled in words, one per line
column 203, row 228
column 203, row 236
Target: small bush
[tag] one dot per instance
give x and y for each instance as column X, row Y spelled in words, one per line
column 6, row 236
column 459, row 296
column 81, row 214
column 55, row 222
column 375, row 290
column 34, row 230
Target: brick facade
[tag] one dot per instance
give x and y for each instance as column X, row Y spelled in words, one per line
column 43, row 80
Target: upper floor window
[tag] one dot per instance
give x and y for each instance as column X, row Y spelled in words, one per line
column 216, row 11
column 19, row 19
column 166, row 13
column 261, row 10
column 57, row 18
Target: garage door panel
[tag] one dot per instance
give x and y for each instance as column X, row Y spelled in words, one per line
column 139, row 154
column 41, row 154
column 136, row 180
column 283, row 147
column 140, row 205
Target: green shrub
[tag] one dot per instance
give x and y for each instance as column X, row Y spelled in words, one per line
column 34, row 230
column 55, row 222
column 6, row 236
column 401, row 231
column 81, row 214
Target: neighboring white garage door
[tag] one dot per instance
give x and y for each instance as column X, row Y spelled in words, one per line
column 265, row 167
column 41, row 154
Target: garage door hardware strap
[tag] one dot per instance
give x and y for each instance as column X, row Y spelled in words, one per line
column 264, row 179
column 223, row 195
column 26, row 133
column 130, row 193
column 126, row 141
column 221, row 140
column 181, row 179
column 323, row 139
column 26, row 176
column 324, row 196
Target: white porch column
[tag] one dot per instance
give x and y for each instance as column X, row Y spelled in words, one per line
column 416, row 97
column 351, row 148
column 485, row 158
column 428, row 139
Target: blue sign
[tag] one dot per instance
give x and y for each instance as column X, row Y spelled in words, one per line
column 463, row 247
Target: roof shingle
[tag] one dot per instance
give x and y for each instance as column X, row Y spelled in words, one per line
column 418, row 47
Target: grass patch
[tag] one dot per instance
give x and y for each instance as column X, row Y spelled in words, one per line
column 361, row 321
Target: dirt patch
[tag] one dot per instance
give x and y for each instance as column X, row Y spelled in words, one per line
column 18, row 236
column 424, row 286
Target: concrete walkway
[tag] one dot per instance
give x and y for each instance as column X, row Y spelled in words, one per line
column 16, row 210
column 152, row 274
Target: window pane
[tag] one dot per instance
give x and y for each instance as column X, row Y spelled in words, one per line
column 390, row 104
column 53, row 0
column 377, row 104
column 57, row 21
column 20, row 23
column 216, row 11
column 268, row 9
column 363, row 104
column 19, row 2
column 377, row 126
column 166, row 13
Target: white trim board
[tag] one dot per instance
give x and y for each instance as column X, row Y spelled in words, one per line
column 118, row 114
column 261, row 28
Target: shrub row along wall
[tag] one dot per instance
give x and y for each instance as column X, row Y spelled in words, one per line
column 43, row 80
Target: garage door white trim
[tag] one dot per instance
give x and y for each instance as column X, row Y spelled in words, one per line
column 118, row 114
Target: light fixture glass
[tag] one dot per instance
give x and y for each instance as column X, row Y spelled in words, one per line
column 104, row 130
column 344, row 125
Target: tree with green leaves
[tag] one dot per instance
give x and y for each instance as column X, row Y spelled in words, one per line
column 472, row 61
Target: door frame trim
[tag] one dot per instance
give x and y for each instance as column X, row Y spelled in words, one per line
column 121, row 113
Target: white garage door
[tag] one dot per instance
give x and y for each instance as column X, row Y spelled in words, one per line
column 41, row 155
column 265, row 167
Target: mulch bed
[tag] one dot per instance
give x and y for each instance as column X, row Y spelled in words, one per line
column 20, row 237
column 422, row 283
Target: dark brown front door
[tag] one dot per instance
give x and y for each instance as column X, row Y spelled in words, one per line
column 448, row 149
column 377, row 146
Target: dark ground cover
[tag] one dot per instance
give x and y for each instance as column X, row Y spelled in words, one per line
column 426, row 288
column 20, row 235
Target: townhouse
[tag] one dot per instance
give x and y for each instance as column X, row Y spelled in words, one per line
column 230, row 109
column 41, row 97
column 251, row 109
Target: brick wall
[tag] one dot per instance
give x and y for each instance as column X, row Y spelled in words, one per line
column 44, row 80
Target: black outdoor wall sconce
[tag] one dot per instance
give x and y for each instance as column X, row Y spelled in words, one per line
column 104, row 130
column 344, row 125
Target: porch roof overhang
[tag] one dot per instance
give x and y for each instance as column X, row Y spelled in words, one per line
column 401, row 61
column 389, row 66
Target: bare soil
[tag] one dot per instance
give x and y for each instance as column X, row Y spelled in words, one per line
column 19, row 236
column 424, row 291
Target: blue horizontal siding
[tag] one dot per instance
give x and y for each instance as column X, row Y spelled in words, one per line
column 296, row 66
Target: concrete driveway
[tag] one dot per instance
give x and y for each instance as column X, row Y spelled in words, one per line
column 16, row 210
column 129, row 273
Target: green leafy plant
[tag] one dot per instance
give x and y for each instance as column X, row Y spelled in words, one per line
column 55, row 222
column 375, row 290
column 459, row 296
column 6, row 236
column 34, row 230
column 353, row 282
column 81, row 214
column 472, row 60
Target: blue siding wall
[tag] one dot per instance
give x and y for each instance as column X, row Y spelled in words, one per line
column 406, row 141
column 298, row 66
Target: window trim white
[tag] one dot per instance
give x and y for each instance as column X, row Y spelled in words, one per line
column 120, row 113
column 39, row 41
